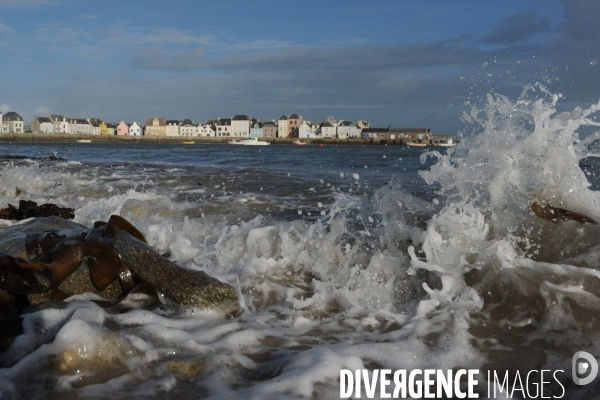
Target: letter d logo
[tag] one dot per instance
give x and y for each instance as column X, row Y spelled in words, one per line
column 579, row 367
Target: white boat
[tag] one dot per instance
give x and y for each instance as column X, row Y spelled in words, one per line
column 298, row 143
column 250, row 142
column 415, row 144
column 447, row 143
column 84, row 141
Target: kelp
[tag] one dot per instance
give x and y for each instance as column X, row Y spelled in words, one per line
column 30, row 209
column 50, row 259
column 556, row 214
column 53, row 256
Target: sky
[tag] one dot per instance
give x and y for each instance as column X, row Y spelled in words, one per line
column 405, row 63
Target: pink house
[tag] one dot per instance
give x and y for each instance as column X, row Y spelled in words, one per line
column 122, row 129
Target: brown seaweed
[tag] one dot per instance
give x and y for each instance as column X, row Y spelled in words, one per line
column 556, row 214
column 30, row 209
column 117, row 258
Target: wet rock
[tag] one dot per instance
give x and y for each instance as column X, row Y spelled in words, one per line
column 30, row 209
column 111, row 259
column 185, row 286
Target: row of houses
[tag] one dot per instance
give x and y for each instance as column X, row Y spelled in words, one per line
column 240, row 126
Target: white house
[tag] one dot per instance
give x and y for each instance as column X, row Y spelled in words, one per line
column 136, row 129
column 173, row 128
column 79, row 126
column 41, row 125
column 328, row 129
column 14, row 122
column 306, row 130
column 348, row 130
column 206, row 130
column 94, row 126
column 224, row 127
column 240, row 126
column 60, row 123
column 188, row 128
column 282, row 126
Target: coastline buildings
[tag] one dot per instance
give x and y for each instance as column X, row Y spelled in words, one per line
column 239, row 126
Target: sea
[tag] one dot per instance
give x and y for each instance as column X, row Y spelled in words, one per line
column 345, row 257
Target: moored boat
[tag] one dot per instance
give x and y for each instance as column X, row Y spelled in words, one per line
column 250, row 142
column 447, row 143
column 298, row 143
column 415, row 144
column 84, row 141
column 188, row 142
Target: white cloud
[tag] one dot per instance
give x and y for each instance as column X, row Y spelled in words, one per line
column 5, row 28
column 4, row 108
column 43, row 110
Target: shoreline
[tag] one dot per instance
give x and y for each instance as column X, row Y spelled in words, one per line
column 67, row 138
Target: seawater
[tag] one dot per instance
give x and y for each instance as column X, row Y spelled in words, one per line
column 345, row 257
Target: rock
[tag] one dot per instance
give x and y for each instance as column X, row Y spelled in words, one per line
column 111, row 259
column 185, row 286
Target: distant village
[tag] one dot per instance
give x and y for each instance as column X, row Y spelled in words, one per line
column 240, row 126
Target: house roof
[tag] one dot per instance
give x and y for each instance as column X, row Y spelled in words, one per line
column 294, row 116
column 12, row 116
column 161, row 121
column 283, row 117
column 375, row 130
column 224, row 121
column 189, row 122
column 327, row 124
column 241, row 117
column 269, row 123
column 44, row 120
column 411, row 130
column 173, row 122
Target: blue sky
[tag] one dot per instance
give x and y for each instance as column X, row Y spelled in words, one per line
column 411, row 63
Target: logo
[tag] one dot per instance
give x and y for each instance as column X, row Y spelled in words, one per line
column 583, row 364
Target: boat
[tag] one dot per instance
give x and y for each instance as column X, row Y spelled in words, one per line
column 415, row 144
column 84, row 141
column 250, row 142
column 447, row 143
column 298, row 143
column 188, row 142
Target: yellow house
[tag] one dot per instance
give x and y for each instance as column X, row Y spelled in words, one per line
column 103, row 128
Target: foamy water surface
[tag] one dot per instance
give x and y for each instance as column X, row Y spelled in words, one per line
column 344, row 257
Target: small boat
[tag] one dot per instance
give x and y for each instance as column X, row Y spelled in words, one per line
column 298, row 143
column 250, row 142
column 84, row 141
column 415, row 144
column 188, row 142
column 448, row 143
